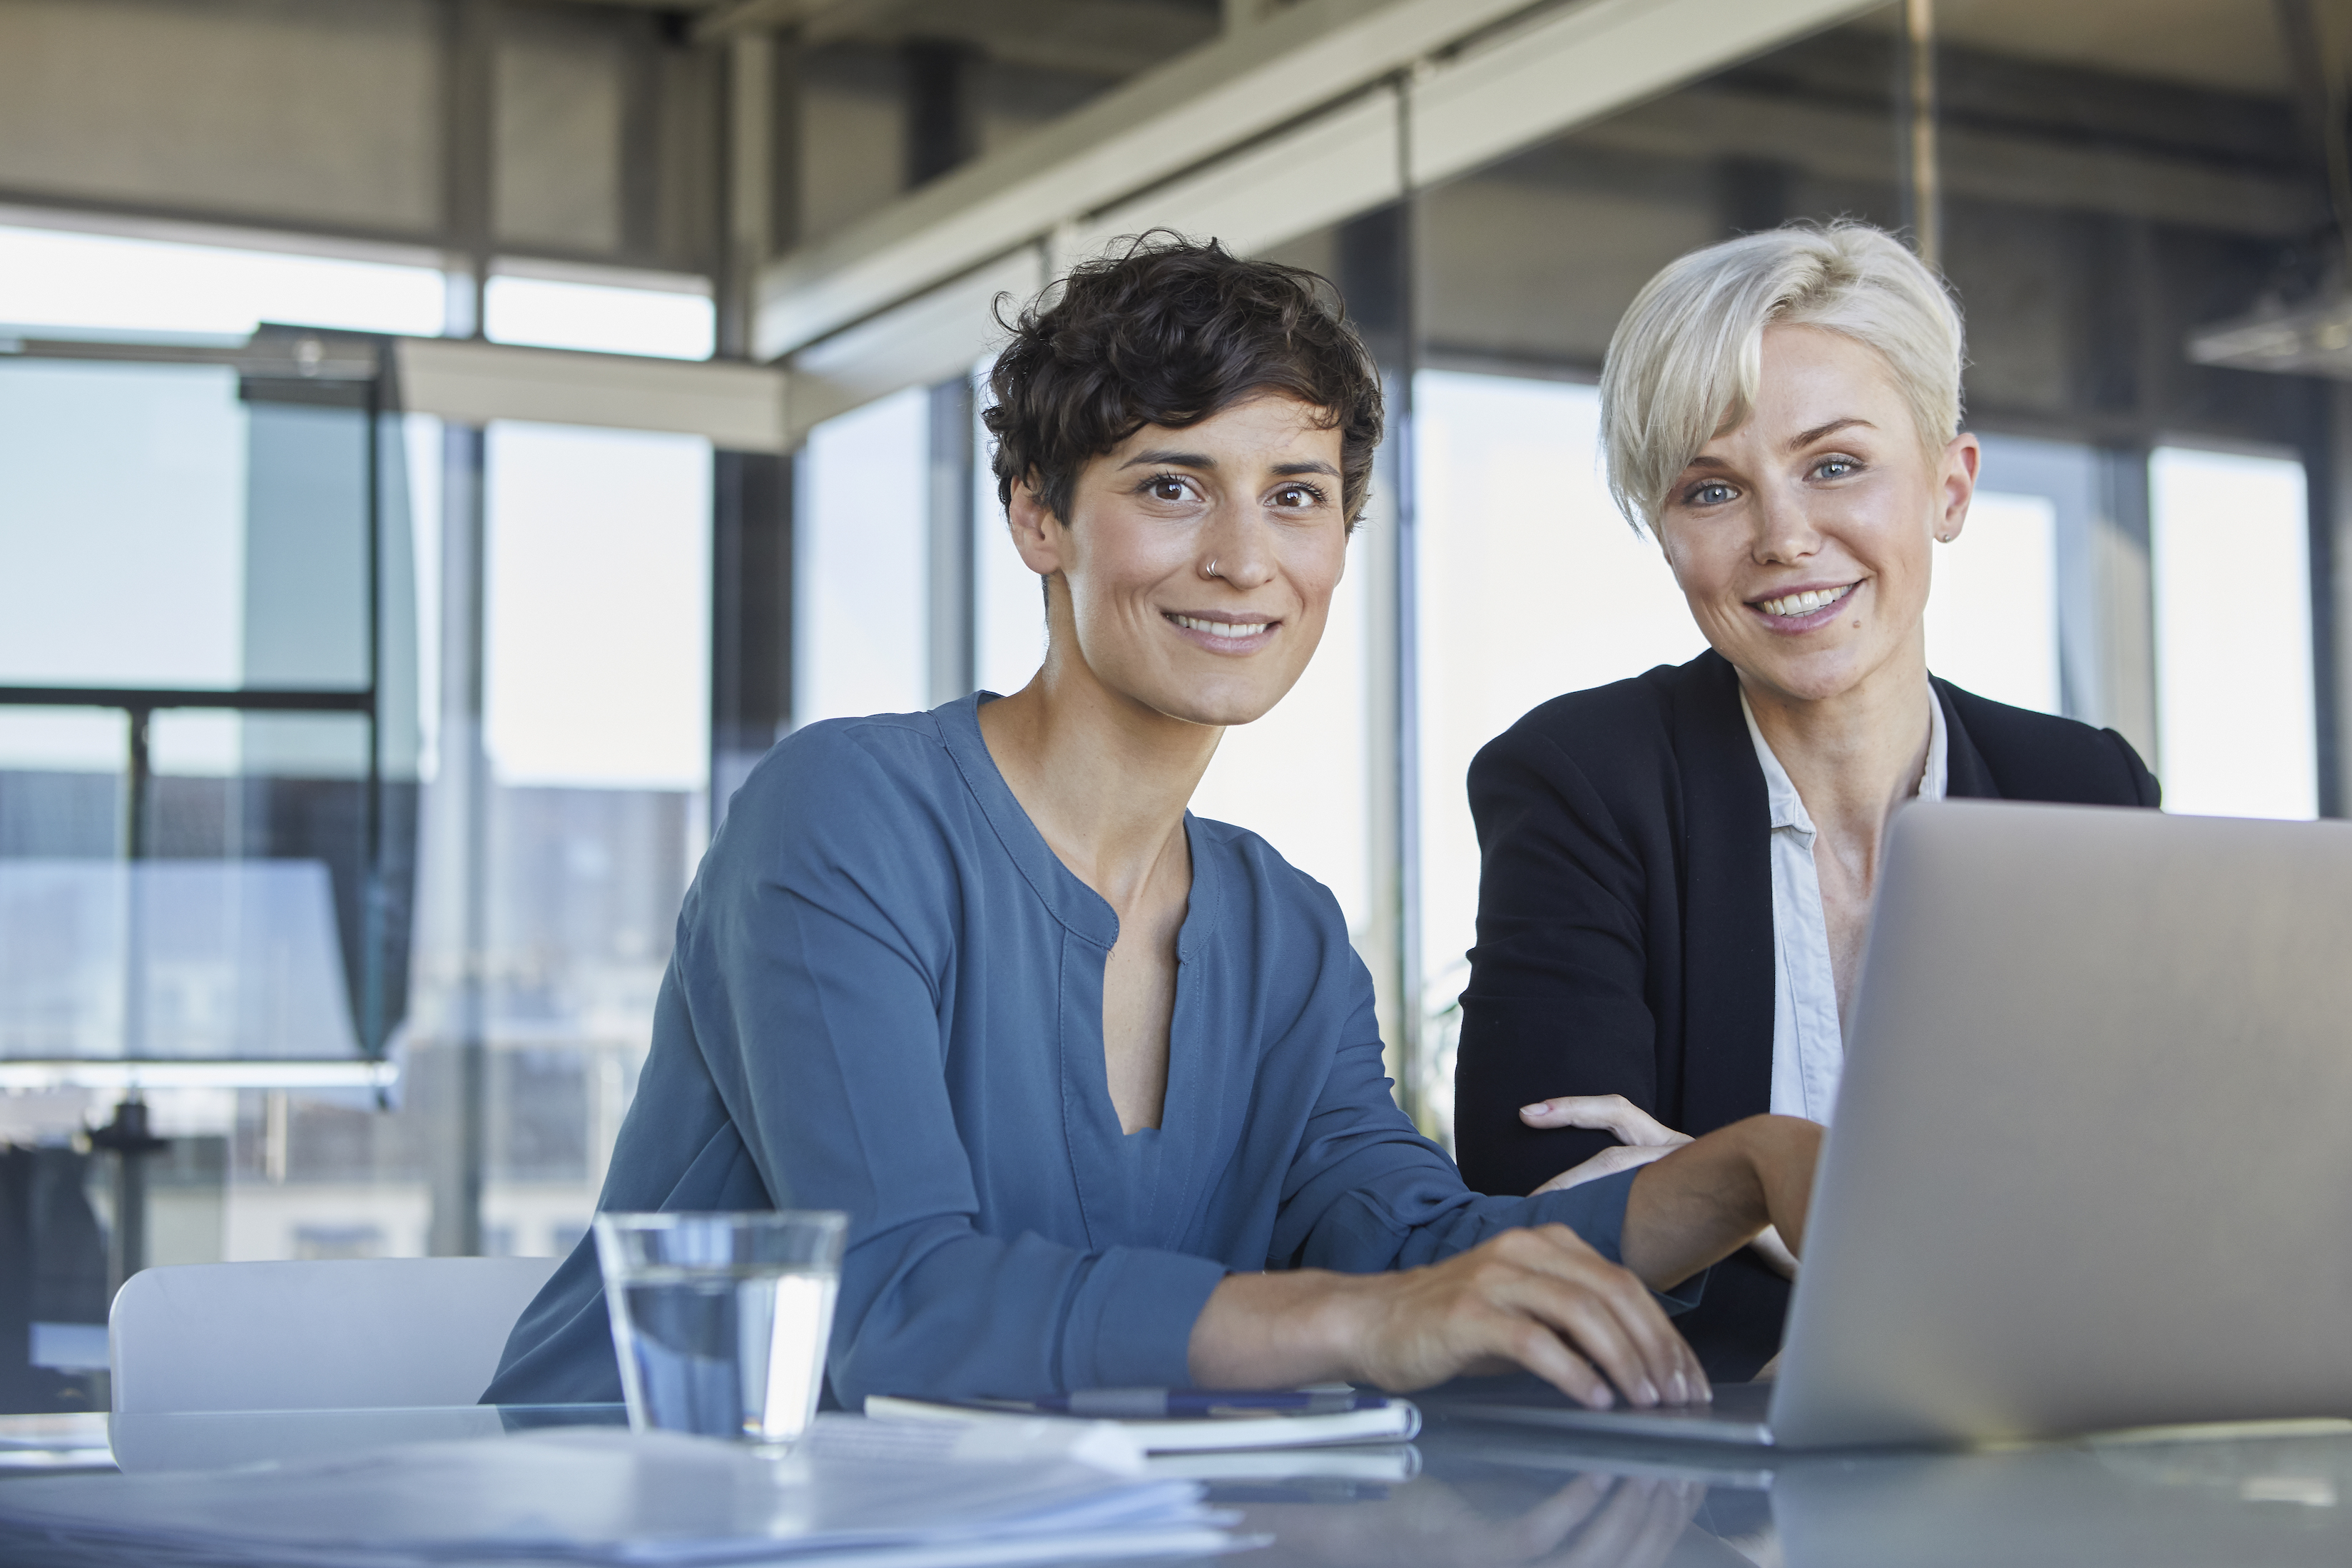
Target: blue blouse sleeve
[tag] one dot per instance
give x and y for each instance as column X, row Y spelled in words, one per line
column 812, row 970
column 1368, row 1192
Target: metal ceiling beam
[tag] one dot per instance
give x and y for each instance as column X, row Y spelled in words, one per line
column 740, row 407
column 1148, row 131
column 1488, row 76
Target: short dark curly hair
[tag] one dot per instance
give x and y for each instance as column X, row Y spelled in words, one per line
column 1167, row 331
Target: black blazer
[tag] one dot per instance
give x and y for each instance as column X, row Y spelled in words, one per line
column 1625, row 923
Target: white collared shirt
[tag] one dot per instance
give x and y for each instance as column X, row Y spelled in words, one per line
column 1807, row 1045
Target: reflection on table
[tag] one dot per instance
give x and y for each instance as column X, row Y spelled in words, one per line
column 1468, row 1495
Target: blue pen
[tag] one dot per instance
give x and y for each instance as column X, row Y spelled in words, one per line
column 1166, row 1404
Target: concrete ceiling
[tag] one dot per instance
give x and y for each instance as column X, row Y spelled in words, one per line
column 1104, row 37
column 2230, row 45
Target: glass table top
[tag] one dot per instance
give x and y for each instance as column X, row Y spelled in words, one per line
column 1469, row 1494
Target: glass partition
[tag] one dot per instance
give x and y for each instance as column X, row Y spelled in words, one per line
column 208, row 785
column 209, row 566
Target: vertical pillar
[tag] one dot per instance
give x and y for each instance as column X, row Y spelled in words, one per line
column 468, row 110
column 454, row 1076
column 459, row 1079
column 942, row 114
column 1915, row 124
column 749, row 150
column 128, row 1139
column 2122, row 370
column 751, row 492
column 1375, row 268
column 2331, row 599
column 750, row 616
column 953, row 649
column 2124, row 573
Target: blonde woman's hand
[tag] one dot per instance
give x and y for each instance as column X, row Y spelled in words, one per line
column 1640, row 1137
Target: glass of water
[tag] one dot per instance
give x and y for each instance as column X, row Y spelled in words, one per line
column 722, row 1319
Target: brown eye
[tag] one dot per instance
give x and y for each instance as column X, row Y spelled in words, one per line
column 1168, row 490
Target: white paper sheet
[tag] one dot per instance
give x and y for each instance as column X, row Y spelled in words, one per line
column 646, row 1501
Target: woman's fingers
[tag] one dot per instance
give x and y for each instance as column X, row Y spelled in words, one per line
column 1536, row 1346
column 1608, row 1314
column 1608, row 1162
column 1540, row 1298
column 1702, row 1392
column 1609, row 1112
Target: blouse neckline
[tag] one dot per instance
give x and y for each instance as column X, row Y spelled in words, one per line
column 1081, row 910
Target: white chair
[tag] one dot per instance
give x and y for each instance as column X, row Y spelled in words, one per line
column 350, row 1334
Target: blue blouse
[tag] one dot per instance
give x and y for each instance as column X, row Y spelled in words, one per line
column 887, row 998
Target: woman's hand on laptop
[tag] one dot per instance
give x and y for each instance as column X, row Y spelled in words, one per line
column 1538, row 1298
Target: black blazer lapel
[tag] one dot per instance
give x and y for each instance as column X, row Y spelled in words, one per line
column 1966, row 776
column 1726, row 1057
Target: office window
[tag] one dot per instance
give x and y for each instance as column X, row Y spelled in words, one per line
column 599, row 608
column 163, row 533
column 1532, row 584
column 2230, row 543
column 861, row 622
column 1993, row 611
column 87, row 281
column 546, row 314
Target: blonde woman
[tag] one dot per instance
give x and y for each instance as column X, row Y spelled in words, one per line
column 1679, row 868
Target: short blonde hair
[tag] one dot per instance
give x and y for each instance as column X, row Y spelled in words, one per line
column 1684, row 362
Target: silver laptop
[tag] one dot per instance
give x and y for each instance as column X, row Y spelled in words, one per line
column 2092, row 1162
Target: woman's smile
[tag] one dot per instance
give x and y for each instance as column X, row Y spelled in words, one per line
column 1795, row 611
column 1223, row 631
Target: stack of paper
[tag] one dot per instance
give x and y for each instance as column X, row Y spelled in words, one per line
column 1385, row 1421
column 651, row 1501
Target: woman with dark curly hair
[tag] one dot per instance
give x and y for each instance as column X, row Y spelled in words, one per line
column 1098, row 1082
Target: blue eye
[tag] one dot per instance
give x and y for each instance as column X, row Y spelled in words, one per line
column 1836, row 468
column 1712, row 494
